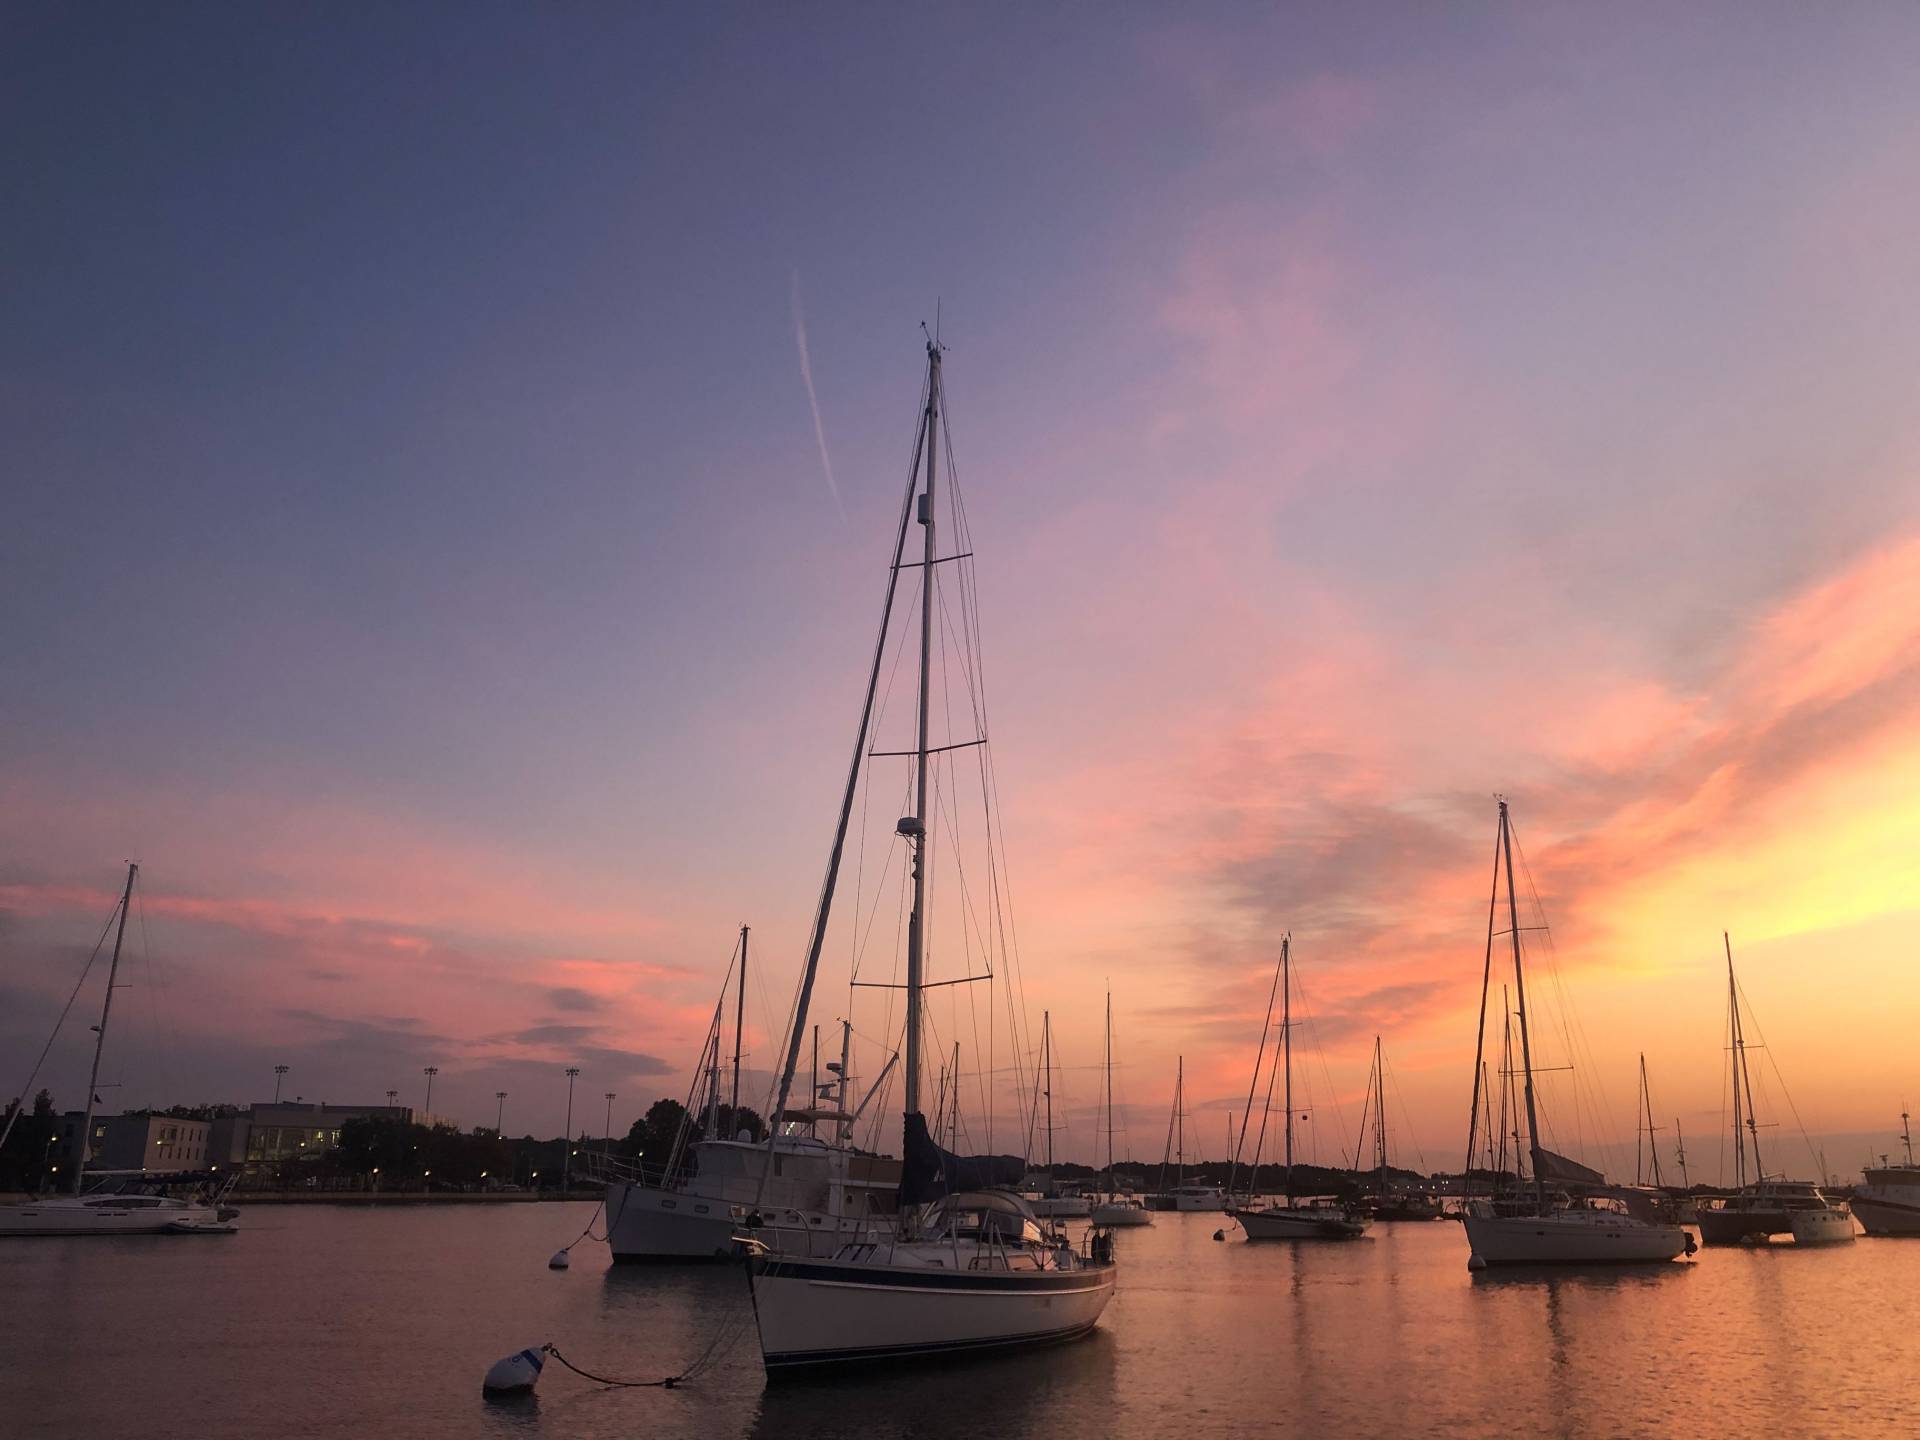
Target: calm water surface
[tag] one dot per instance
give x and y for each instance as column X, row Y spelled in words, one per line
column 337, row 1322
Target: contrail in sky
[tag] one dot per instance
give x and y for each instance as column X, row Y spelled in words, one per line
column 813, row 401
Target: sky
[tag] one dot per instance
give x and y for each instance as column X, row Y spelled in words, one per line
column 453, row 454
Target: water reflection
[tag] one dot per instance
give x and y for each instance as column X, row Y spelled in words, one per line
column 328, row 1324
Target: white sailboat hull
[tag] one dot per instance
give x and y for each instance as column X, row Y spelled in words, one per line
column 1571, row 1238
column 66, row 1216
column 1298, row 1222
column 1120, row 1217
column 1822, row 1227
column 816, row 1314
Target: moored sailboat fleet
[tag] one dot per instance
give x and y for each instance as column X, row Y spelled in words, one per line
column 855, row 1257
column 940, row 1254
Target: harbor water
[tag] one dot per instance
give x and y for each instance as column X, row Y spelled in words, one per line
column 317, row 1321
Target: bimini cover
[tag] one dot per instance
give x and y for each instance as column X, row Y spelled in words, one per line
column 928, row 1172
column 1560, row 1169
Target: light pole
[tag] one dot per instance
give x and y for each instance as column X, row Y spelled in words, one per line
column 606, row 1147
column 430, row 1072
column 279, row 1074
column 499, row 1114
column 566, row 1160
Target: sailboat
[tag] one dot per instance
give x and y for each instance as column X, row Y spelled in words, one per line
column 122, row 1202
column 821, row 1193
column 1889, row 1202
column 1182, row 1196
column 1544, row 1228
column 1762, row 1206
column 1289, row 1220
column 1389, row 1201
column 1115, row 1210
column 1048, row 1199
column 964, row 1268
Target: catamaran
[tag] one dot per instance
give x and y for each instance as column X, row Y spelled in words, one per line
column 1544, row 1228
column 1310, row 1219
column 964, row 1267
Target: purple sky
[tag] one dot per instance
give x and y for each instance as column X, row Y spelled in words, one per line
column 419, row 553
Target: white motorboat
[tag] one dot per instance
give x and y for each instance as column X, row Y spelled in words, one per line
column 965, row 1268
column 1059, row 1206
column 1829, row 1225
column 1291, row 1218
column 820, row 1196
column 979, row 1274
column 1119, row 1212
column 1889, row 1202
column 1532, row 1226
column 1209, row 1199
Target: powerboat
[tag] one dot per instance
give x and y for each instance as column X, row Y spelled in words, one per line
column 1889, row 1202
column 818, row 1197
column 1119, row 1212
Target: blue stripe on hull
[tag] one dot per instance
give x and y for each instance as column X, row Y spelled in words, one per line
column 800, row 1362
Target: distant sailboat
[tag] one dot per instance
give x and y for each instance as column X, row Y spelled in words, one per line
column 1543, row 1228
column 1762, row 1206
column 1048, row 1200
column 1389, row 1201
column 1290, row 1220
column 1180, row 1195
column 1114, row 1209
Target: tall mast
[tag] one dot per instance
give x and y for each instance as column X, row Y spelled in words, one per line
column 100, row 1043
column 1520, row 995
column 1179, row 1120
column 1380, row 1109
column 1741, row 1076
column 1046, row 1051
column 1109, row 1094
column 1680, row 1153
column 918, row 836
column 739, row 1023
column 1653, row 1149
column 823, row 910
column 1286, row 1047
column 1906, row 1133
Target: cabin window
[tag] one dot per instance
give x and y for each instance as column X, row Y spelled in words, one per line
column 669, row 1204
column 699, row 1209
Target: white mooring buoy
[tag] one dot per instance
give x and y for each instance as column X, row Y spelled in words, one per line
column 559, row 1261
column 516, row 1374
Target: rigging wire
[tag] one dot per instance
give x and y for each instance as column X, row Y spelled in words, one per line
column 20, row 1101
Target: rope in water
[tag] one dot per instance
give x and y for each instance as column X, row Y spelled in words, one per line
column 666, row 1384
